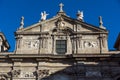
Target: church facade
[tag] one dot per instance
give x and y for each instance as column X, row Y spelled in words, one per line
column 60, row 48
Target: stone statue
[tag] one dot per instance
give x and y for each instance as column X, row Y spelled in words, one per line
column 101, row 23
column 43, row 15
column 22, row 23
column 61, row 7
column 80, row 15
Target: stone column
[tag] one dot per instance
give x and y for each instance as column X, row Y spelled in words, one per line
column 53, row 44
column 72, row 44
column 100, row 43
column 18, row 43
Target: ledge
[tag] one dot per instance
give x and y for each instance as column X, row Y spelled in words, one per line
column 61, row 56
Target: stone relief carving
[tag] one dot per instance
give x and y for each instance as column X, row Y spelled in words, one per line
column 16, row 73
column 27, row 74
column 43, row 73
column 90, row 44
column 31, row 44
column 61, row 24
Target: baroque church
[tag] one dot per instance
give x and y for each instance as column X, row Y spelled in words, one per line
column 60, row 48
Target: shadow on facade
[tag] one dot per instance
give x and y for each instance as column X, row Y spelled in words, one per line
column 89, row 68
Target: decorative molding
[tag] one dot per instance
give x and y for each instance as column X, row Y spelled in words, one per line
column 16, row 73
column 3, row 77
column 31, row 43
column 90, row 44
column 42, row 73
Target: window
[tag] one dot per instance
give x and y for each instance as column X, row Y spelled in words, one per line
column 61, row 46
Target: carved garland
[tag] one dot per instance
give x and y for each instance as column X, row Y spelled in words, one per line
column 2, row 77
column 15, row 73
column 42, row 73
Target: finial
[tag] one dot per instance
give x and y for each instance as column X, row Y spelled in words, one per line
column 80, row 15
column 101, row 23
column 61, row 7
column 22, row 23
column 100, row 19
column 43, row 16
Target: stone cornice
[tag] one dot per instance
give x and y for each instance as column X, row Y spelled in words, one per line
column 62, row 56
column 31, row 33
column 53, row 58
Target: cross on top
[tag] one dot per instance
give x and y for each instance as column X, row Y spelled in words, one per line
column 22, row 22
column 101, row 22
column 61, row 7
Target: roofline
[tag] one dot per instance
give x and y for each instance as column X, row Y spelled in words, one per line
column 36, row 24
column 31, row 33
column 61, row 56
column 5, row 40
column 83, row 23
column 117, row 41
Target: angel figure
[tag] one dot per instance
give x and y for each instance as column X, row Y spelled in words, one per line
column 80, row 15
column 43, row 15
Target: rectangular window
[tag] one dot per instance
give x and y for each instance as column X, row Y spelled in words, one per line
column 61, row 46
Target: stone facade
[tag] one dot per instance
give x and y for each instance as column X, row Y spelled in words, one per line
column 4, row 46
column 60, row 48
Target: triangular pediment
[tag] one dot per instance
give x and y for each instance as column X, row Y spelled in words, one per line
column 50, row 24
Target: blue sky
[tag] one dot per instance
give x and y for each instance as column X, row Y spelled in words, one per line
column 12, row 10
